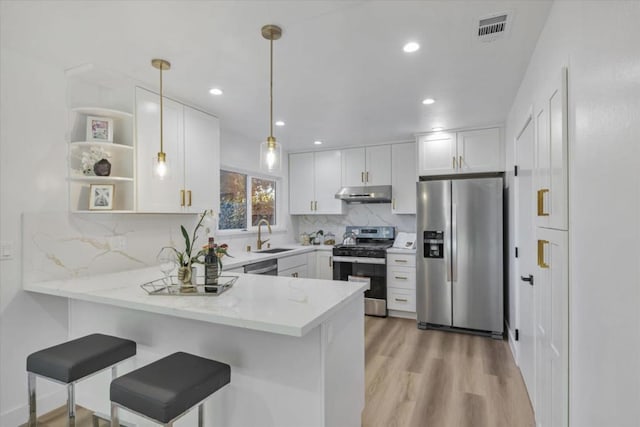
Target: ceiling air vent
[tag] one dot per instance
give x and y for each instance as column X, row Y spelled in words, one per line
column 492, row 27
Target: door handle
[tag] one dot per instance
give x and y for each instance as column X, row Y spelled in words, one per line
column 541, row 193
column 311, row 205
column 453, row 162
column 315, row 205
column 189, row 197
column 527, row 279
column 181, row 197
column 460, row 162
column 330, row 262
column 541, row 262
column 366, row 176
column 362, row 177
column 454, row 242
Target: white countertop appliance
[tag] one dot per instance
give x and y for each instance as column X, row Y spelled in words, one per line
column 459, row 282
column 366, row 260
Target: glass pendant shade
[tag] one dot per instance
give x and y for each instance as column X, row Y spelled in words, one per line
column 160, row 166
column 270, row 155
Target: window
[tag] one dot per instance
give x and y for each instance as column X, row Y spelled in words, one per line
column 236, row 189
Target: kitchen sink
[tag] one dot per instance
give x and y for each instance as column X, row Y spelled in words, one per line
column 273, row 251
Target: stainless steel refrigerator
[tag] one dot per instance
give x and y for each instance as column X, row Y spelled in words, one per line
column 459, row 259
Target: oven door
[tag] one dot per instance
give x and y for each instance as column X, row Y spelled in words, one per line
column 374, row 269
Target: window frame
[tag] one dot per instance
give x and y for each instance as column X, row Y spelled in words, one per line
column 251, row 229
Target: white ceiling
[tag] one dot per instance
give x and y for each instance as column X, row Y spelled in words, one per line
column 340, row 73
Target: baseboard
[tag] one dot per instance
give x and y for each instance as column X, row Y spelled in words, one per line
column 512, row 344
column 20, row 415
column 402, row 314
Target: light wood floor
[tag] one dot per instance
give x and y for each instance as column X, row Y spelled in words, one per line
column 419, row 378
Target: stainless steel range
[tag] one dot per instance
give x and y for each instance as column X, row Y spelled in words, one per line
column 363, row 257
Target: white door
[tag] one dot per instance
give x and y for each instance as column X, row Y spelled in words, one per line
column 378, row 161
column 327, row 182
column 552, row 329
column 202, row 161
column 353, row 167
column 301, row 183
column 480, row 151
column 403, row 178
column 526, row 257
column 155, row 194
column 437, row 154
column 324, row 265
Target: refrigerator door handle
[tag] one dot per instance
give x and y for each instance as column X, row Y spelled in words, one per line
column 454, row 243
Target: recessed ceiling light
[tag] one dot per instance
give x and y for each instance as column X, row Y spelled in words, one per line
column 215, row 91
column 411, row 47
column 279, row 123
column 428, row 101
column 317, row 142
column 437, row 129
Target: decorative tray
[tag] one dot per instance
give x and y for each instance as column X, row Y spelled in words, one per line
column 171, row 286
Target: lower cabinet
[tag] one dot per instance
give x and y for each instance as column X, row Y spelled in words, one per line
column 324, row 265
column 401, row 282
column 293, row 266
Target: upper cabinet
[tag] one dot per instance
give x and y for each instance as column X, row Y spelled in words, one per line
column 551, row 159
column 472, row 151
column 314, row 179
column 366, row 166
column 191, row 141
column 403, row 178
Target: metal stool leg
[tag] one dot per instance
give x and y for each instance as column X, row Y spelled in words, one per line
column 71, row 405
column 31, row 382
column 200, row 415
column 115, row 422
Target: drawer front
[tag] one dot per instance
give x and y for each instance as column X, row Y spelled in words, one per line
column 297, row 272
column 401, row 299
column 401, row 277
column 285, row 263
column 401, row 260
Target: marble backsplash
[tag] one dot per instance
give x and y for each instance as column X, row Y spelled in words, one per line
column 356, row 214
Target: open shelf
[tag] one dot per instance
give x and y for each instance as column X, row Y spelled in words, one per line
column 106, row 112
column 89, row 178
column 105, row 145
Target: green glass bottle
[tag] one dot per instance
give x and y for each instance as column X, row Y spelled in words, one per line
column 211, row 268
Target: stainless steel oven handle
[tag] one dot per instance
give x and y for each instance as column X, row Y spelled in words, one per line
column 359, row 260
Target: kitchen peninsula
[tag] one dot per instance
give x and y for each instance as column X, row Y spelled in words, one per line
column 295, row 346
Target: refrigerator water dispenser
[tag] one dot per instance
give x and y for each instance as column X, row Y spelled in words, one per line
column 433, row 244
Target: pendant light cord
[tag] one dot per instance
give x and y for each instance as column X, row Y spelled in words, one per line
column 161, row 111
column 271, row 87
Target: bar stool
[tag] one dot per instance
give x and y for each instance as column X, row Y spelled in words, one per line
column 72, row 361
column 166, row 389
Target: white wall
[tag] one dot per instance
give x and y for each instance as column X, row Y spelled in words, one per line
column 599, row 41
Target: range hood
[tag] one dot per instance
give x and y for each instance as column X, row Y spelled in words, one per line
column 369, row 194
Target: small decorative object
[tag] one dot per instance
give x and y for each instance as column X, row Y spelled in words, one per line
column 213, row 264
column 99, row 129
column 101, row 196
column 316, row 237
column 91, row 157
column 102, row 167
column 187, row 259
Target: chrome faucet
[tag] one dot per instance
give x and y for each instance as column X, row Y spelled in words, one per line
column 260, row 242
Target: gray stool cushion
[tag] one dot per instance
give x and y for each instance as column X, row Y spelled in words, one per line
column 73, row 360
column 168, row 387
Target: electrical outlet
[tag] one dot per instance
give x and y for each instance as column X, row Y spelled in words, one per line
column 117, row 243
column 6, row 250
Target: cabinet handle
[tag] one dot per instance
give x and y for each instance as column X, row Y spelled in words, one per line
column 362, row 177
column 311, row 205
column 315, row 205
column 400, row 277
column 393, row 203
column 401, row 260
column 366, row 176
column 330, row 262
column 189, row 197
column 460, row 162
column 453, row 161
column 541, row 262
column 401, row 299
column 541, row 211
column 181, row 197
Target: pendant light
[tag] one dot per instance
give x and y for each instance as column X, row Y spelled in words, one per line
column 270, row 150
column 161, row 162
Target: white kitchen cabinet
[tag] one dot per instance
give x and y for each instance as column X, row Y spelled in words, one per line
column 403, row 178
column 472, row 151
column 191, row 142
column 401, row 282
column 366, row 166
column 119, row 153
column 324, row 265
column 551, row 295
column 293, row 266
column 297, row 272
column 551, row 154
column 314, row 179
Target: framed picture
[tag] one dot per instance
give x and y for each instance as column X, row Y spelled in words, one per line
column 99, row 129
column 101, row 196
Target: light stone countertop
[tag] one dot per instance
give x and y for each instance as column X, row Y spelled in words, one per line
column 244, row 258
column 279, row 305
